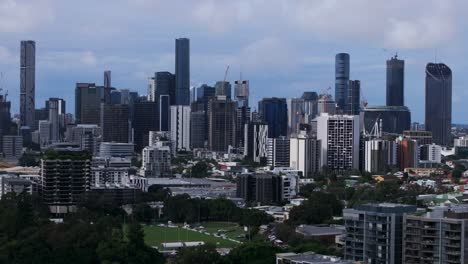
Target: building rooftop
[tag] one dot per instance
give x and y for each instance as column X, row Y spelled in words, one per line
column 309, row 258
column 319, row 230
column 386, row 208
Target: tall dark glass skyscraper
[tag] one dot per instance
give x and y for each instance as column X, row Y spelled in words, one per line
column 107, row 79
column 439, row 102
column 164, row 97
column 341, row 79
column 182, row 71
column 27, row 82
column 395, row 82
column 354, row 96
column 274, row 112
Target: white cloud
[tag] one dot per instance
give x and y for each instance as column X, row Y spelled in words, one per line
column 5, row 54
column 88, row 58
column 24, row 15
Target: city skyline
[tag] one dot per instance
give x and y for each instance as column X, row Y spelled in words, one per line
column 275, row 64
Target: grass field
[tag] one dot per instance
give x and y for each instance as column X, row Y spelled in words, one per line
column 155, row 235
column 232, row 229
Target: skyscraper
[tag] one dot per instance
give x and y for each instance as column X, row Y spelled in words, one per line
column 115, row 123
column 180, row 126
column 439, row 102
column 164, row 96
column 305, row 154
column 223, row 88
column 395, row 82
column 296, row 114
column 241, row 92
column 255, row 141
column 341, row 79
column 107, row 79
column 53, row 106
column 5, row 117
column 27, row 82
column 182, row 71
column 274, row 112
column 221, row 124
column 89, row 100
column 145, row 119
column 354, row 97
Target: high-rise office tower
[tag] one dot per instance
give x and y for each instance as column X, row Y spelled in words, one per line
column 116, row 97
column 151, row 93
column 395, row 82
column 107, row 79
column 89, row 101
column 439, row 102
column 380, row 155
column 197, row 129
column 255, row 141
column 325, row 104
column 241, row 92
column 27, row 83
column 395, row 119
column 5, row 117
column 310, row 106
column 180, row 126
column 274, row 112
column 278, row 152
column 221, row 124
column 296, row 115
column 115, row 124
column 182, row 71
column 164, row 97
column 354, row 98
column 340, row 141
column 145, row 119
column 243, row 117
column 341, row 79
column 223, row 89
column 53, row 106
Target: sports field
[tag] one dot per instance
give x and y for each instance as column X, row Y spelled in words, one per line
column 155, row 235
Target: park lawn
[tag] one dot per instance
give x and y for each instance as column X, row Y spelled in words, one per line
column 233, row 229
column 155, row 235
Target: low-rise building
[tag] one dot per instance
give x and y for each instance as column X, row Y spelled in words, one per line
column 309, row 258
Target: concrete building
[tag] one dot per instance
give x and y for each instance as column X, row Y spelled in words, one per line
column 241, row 92
column 156, row 161
column 255, row 141
column 380, row 155
column 326, row 104
column 278, row 152
column 15, row 184
column 89, row 137
column 438, row 118
column 408, row 153
column 151, row 92
column 53, row 105
column 113, row 149
column 12, row 146
column 64, row 178
column 305, row 154
column 430, row 153
column 44, row 133
column 180, row 127
column 339, row 136
column 421, row 136
column 438, row 236
column 309, row 258
column 182, row 71
column 266, row 188
column 110, row 172
column 243, row 118
column 296, row 115
column 374, row 232
column 27, row 83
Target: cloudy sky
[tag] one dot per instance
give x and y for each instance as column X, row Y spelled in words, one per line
column 283, row 47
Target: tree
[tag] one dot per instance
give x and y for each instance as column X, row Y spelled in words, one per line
column 205, row 254
column 253, row 253
column 319, row 207
column 143, row 213
column 199, row 170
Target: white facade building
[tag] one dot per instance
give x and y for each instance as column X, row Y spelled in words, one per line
column 304, row 154
column 44, row 133
column 339, row 135
column 180, row 126
column 110, row 171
